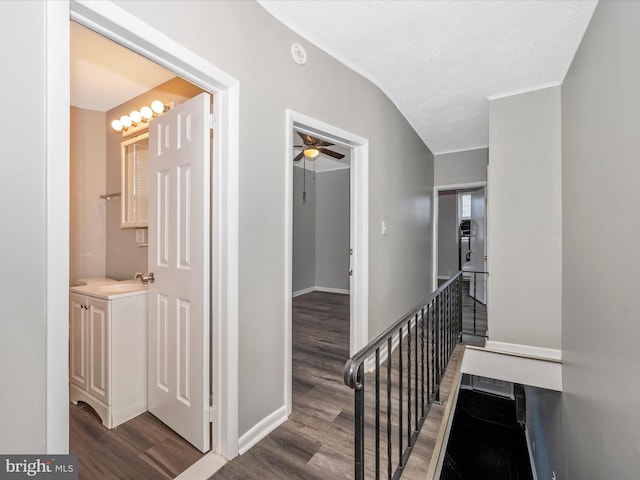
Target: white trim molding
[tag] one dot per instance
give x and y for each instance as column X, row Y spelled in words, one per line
column 342, row 291
column 262, row 429
column 359, row 231
column 526, row 350
column 513, row 367
column 304, row 291
column 57, row 228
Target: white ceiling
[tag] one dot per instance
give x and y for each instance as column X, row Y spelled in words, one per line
column 438, row 61
column 105, row 75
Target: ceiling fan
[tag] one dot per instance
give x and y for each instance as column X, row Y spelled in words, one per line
column 313, row 147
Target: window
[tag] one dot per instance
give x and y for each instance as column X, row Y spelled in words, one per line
column 464, row 205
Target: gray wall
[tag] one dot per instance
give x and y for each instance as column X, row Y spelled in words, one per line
column 87, row 181
column 123, row 256
column 321, row 230
column 245, row 41
column 447, row 234
column 601, row 223
column 524, row 219
column 544, row 426
column 22, row 237
column 332, row 229
column 304, row 232
column 454, row 168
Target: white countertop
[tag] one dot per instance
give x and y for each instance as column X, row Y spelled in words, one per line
column 110, row 291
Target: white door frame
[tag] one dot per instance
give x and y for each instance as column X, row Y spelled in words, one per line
column 124, row 28
column 359, row 228
column 436, row 220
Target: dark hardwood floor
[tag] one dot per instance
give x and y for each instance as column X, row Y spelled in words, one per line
column 315, row 443
column 317, row 440
column 141, row 449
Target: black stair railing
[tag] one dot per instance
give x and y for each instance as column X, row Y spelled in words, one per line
column 407, row 361
column 473, row 294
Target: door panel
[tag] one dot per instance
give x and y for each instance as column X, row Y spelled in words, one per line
column 477, row 241
column 78, row 353
column 179, row 318
column 99, row 359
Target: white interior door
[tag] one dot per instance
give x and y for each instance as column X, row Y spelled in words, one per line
column 478, row 260
column 179, row 318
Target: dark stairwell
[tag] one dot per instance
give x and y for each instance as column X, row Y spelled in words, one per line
column 487, row 439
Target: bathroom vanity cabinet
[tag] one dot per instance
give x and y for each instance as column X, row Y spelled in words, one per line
column 108, row 354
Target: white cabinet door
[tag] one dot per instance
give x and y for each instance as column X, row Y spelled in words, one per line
column 99, row 347
column 179, row 319
column 78, row 341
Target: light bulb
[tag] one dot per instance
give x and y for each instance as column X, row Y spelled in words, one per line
column 136, row 116
column 157, row 106
column 116, row 125
column 125, row 121
column 311, row 152
column 146, row 113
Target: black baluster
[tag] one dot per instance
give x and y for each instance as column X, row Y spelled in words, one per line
column 359, row 424
column 389, row 426
column 377, row 413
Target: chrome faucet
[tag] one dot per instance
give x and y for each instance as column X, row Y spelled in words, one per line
column 144, row 277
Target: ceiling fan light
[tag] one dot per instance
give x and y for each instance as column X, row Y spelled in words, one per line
column 311, row 152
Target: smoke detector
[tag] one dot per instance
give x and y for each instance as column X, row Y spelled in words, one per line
column 298, row 53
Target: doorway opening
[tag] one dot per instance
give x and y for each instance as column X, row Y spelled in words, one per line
column 356, row 267
column 115, row 230
column 460, row 243
column 125, row 29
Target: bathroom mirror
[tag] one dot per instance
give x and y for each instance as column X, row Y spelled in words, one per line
column 135, row 182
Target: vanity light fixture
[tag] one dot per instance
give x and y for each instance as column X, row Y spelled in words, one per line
column 138, row 118
column 158, row 107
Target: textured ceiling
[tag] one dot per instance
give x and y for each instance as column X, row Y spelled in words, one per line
column 438, row 61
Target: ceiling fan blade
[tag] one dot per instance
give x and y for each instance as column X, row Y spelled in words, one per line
column 331, row 153
column 307, row 139
column 322, row 143
column 299, row 156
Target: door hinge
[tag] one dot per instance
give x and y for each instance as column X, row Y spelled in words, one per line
column 212, row 121
column 211, row 414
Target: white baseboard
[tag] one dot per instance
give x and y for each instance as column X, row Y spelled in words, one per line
column 262, row 429
column 527, row 350
column 320, row 289
column 333, row 290
column 304, row 291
